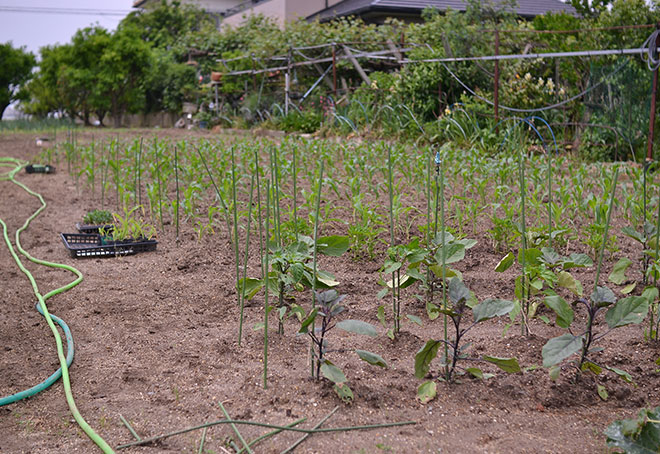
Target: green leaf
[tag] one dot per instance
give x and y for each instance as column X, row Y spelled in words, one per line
column 505, row 263
column 467, row 242
column 532, row 256
column 382, row 293
column 491, row 308
column 650, row 293
column 390, row 266
column 602, row 392
column 415, row 319
column 344, row 392
column 390, row 333
column 297, row 271
column 252, row 287
column 603, row 296
column 358, row 327
column 618, row 274
column 563, row 310
column 554, row 372
column 427, row 392
column 589, row 366
column 454, row 252
column 458, row 291
column 449, row 273
column 333, row 246
column 332, row 372
column 404, row 281
column 576, row 260
column 509, row 365
column 432, row 311
column 372, row 358
column 629, row 288
column 325, row 279
column 304, row 327
column 424, row 356
column 380, row 315
column 559, row 348
column 627, row 311
column 636, row 436
column 634, row 234
column 567, row 281
column 621, row 373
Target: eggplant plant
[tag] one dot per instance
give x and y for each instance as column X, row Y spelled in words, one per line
column 328, row 307
column 580, row 341
column 459, row 303
column 413, row 262
column 291, row 269
column 544, row 272
column 637, row 435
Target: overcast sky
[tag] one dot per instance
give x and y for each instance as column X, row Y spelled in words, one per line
column 39, row 23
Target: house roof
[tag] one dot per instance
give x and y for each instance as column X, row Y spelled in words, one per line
column 525, row 8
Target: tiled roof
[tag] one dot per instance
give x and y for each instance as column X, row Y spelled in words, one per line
column 525, row 8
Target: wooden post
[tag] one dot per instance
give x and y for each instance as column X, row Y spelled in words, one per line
column 654, row 96
column 358, row 68
column 496, row 83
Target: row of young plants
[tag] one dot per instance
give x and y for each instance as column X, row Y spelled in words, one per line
column 288, row 193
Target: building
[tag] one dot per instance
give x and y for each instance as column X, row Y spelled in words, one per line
column 232, row 12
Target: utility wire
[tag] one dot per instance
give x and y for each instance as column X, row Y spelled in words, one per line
column 65, row 11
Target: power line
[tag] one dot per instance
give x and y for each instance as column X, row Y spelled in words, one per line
column 64, row 11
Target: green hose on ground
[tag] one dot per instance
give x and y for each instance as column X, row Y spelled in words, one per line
column 64, row 365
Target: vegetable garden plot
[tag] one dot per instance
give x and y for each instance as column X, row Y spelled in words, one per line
column 470, row 254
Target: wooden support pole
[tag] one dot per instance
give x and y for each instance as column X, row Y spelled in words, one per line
column 358, row 68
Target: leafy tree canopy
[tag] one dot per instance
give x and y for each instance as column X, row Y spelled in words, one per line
column 15, row 71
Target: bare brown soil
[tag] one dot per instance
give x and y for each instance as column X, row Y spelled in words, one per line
column 156, row 342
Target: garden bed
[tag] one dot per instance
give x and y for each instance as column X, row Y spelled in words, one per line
column 156, row 339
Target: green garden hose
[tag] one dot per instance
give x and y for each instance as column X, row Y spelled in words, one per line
column 64, row 362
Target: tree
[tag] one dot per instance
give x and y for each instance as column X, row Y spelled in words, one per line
column 15, row 71
column 590, row 8
column 122, row 67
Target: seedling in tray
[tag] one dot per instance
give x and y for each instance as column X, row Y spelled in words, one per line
column 128, row 228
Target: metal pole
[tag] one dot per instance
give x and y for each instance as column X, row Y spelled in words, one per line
column 287, row 83
column 654, row 95
column 496, row 88
column 217, row 108
column 334, row 70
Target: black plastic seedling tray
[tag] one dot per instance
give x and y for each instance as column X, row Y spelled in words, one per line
column 92, row 228
column 90, row 245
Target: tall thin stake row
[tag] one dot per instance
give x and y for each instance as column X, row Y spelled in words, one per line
column 607, row 228
column 176, row 179
column 259, row 220
column 523, row 189
column 241, row 296
column 316, row 235
column 235, row 226
column 265, row 273
column 440, row 172
column 395, row 274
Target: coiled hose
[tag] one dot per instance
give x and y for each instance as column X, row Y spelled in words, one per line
column 65, row 362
